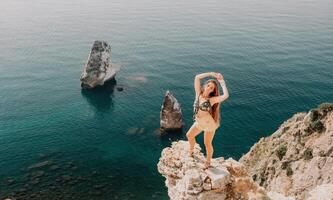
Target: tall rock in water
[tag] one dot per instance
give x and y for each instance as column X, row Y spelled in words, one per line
column 98, row 68
column 186, row 178
column 171, row 117
column 297, row 159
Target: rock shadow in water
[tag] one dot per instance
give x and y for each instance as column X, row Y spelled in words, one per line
column 170, row 135
column 101, row 97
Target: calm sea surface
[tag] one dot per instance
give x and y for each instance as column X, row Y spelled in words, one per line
column 276, row 57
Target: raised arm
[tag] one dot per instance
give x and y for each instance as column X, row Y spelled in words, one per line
column 224, row 96
column 197, row 84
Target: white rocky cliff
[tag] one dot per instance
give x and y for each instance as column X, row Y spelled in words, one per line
column 98, row 68
column 297, row 159
column 295, row 163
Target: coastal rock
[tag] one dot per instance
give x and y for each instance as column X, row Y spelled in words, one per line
column 98, row 68
column 186, row 178
column 171, row 117
column 297, row 158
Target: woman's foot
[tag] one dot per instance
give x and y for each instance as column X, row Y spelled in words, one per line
column 207, row 165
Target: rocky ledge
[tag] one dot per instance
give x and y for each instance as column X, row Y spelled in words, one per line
column 186, row 178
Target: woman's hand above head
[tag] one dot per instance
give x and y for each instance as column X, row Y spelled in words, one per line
column 219, row 77
column 206, row 74
column 213, row 74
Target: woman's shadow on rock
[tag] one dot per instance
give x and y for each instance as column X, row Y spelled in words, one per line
column 101, row 97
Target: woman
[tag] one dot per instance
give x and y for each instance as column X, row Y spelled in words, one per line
column 207, row 111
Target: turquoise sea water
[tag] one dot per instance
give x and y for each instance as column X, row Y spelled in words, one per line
column 276, row 57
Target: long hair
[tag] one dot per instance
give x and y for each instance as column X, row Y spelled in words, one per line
column 216, row 107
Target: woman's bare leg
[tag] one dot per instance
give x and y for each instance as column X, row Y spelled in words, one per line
column 208, row 139
column 191, row 133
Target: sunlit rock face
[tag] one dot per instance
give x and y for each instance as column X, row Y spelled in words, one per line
column 298, row 157
column 98, row 68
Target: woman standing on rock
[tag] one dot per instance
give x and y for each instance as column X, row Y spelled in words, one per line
column 207, row 111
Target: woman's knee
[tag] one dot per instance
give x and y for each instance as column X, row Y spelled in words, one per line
column 188, row 134
column 192, row 132
column 208, row 145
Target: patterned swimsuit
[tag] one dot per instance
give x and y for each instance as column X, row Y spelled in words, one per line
column 206, row 122
column 204, row 106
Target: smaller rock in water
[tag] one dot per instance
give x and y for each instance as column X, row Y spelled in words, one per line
column 171, row 117
column 119, row 88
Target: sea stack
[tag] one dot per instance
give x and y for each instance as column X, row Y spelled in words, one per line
column 171, row 117
column 98, row 68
